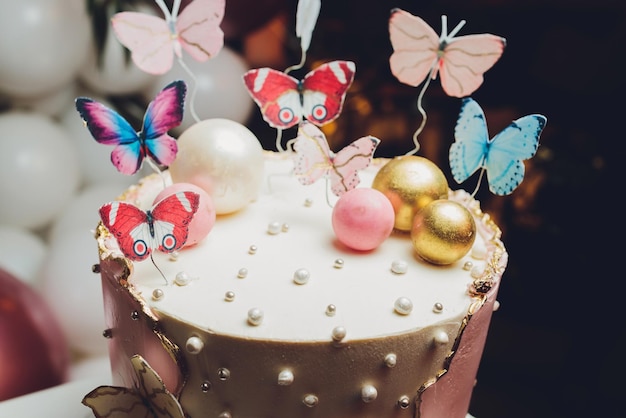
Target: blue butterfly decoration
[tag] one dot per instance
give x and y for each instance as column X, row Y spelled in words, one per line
column 501, row 157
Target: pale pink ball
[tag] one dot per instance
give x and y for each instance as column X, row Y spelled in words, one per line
column 363, row 218
column 203, row 220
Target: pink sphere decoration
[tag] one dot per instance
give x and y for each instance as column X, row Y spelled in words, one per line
column 203, row 220
column 363, row 218
column 34, row 353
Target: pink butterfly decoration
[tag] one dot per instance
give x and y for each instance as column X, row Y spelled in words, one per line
column 284, row 101
column 164, row 228
column 420, row 53
column 154, row 41
column 314, row 159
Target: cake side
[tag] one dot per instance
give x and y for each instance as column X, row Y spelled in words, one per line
column 361, row 358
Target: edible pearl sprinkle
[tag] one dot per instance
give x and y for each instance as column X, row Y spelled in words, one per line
column 403, row 305
column 255, row 316
column 252, row 249
column 331, row 310
column 107, row 333
column 273, row 228
column 310, row 400
column 182, row 279
column 205, row 386
column 157, row 294
column 194, row 345
column 391, row 360
column 441, row 337
column 479, row 252
column 242, row 273
column 338, row 263
column 95, row 268
column 229, row 296
column 496, row 306
column 285, row 378
column 468, row 265
column 223, row 374
column 438, row 307
column 399, row 267
column 134, row 315
column 404, row 402
column 285, row 228
column 174, row 256
column 339, row 333
column 301, row 276
column 368, row 393
column 308, row 202
column 476, row 272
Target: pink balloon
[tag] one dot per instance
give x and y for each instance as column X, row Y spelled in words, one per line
column 34, row 354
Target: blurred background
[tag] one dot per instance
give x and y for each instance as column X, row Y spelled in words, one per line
column 555, row 343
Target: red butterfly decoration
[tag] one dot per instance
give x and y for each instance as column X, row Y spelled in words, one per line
column 314, row 159
column 164, row 227
column 284, row 101
column 420, row 53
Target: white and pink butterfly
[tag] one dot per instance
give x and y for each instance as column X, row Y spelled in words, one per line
column 163, row 228
column 460, row 61
column 154, row 41
column 285, row 101
column 314, row 159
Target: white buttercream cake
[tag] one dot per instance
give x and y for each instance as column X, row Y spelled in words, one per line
column 271, row 315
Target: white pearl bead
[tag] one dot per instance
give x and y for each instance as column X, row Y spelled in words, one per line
column 399, row 266
column 339, row 333
column 285, row 378
column 273, row 228
column 369, row 393
column 301, row 276
column 255, row 316
column 194, row 345
column 441, row 337
column 183, row 279
column 403, row 305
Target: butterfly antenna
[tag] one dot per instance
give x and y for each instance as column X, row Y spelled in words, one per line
column 157, row 267
column 165, row 10
column 419, row 130
column 157, row 170
column 298, row 65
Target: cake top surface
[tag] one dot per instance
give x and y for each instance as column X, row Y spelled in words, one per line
column 252, row 260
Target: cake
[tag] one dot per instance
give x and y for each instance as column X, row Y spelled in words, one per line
column 271, row 316
column 366, row 295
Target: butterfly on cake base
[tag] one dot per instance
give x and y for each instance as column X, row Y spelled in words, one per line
column 460, row 61
column 285, row 101
column 149, row 398
column 501, row 157
column 154, row 41
column 108, row 127
column 163, row 228
column 314, row 159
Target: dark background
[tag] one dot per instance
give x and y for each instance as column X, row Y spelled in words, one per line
column 555, row 345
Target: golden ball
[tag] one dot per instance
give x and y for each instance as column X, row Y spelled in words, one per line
column 443, row 232
column 410, row 182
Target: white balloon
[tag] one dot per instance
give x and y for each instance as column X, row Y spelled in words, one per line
column 115, row 74
column 81, row 212
column 219, row 88
column 43, row 44
column 94, row 158
column 21, row 252
column 38, row 167
column 73, row 291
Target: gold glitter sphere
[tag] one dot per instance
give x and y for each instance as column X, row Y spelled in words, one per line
column 410, row 182
column 443, row 232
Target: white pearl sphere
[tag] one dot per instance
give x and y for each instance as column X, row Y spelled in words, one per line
column 22, row 252
column 43, row 44
column 218, row 85
column 224, row 158
column 39, row 169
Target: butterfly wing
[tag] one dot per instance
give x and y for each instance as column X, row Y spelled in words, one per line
column 171, row 217
column 415, row 46
column 277, row 96
column 116, row 402
column 508, row 149
column 129, row 225
column 464, row 61
column 324, row 91
column 344, row 173
column 109, row 128
column 198, row 28
column 469, row 150
column 313, row 156
column 165, row 112
column 152, row 389
column 148, row 38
